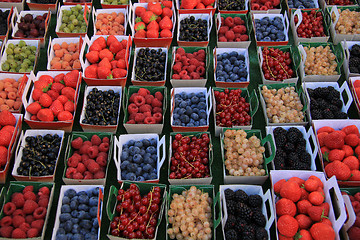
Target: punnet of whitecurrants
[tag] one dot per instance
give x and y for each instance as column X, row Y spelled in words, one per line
column 180, row 119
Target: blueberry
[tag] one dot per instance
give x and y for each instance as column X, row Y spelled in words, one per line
column 140, row 178
column 219, row 57
column 146, row 142
column 183, row 104
column 96, row 191
column 220, row 79
column 68, row 226
column 64, row 217
column 265, row 33
column 203, row 122
column 176, row 116
column 146, row 176
column 188, row 102
column 81, row 214
column 131, row 176
column 75, row 220
column 151, row 150
column 75, row 229
column 153, row 176
column 267, row 39
column 91, row 236
column 74, row 213
column 60, row 231
column 83, row 231
column 219, row 67
column 70, row 193
column 85, row 224
column 65, row 209
column 153, row 142
column 225, row 55
column 93, row 201
column 124, row 165
column 195, row 110
column 226, row 62
column 142, row 152
column 138, row 144
column 233, row 54
column 185, row 118
column 259, row 35
column 242, row 79
column 95, row 223
column 190, row 124
column 66, row 200
column 228, row 67
column 202, row 105
column 233, row 76
column 195, row 116
column 124, row 155
column 235, row 70
column 77, row 236
column 181, row 111
column 154, row 157
column 137, row 158
column 84, row 199
column 147, row 168
column 138, row 171
column 93, row 211
column 69, row 235
column 188, row 110
column 61, row 237
column 241, row 57
column 177, row 122
column 134, row 150
column 123, row 174
column 200, row 94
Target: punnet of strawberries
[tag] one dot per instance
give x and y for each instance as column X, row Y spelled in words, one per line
column 7, row 124
column 354, row 230
column 154, row 21
column 232, row 29
column 301, row 210
column 54, row 98
column 107, row 58
column 340, row 150
column 196, row 4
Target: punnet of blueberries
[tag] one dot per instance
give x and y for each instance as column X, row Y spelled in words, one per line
column 150, row 65
column 193, row 30
column 269, row 29
column 231, row 67
column 139, row 160
column 302, row 4
column 190, row 109
column 78, row 218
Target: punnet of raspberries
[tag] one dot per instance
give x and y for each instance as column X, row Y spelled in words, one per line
column 25, row 213
column 232, row 29
column 354, row 231
column 189, row 65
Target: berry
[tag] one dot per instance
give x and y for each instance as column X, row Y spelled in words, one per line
column 18, row 233
column 155, row 65
column 30, row 206
column 193, row 30
column 277, row 64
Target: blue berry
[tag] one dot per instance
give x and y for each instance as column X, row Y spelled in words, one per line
column 85, row 224
column 70, row 193
column 75, row 229
column 93, row 201
column 61, row 237
column 74, row 213
column 66, row 200
column 65, row 209
column 77, row 237
column 60, row 231
column 68, row 226
column 65, row 217
column 93, row 211
column 84, row 199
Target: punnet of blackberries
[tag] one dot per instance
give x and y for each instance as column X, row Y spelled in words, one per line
column 291, row 151
column 102, row 107
column 354, row 60
column 193, row 30
column 39, row 155
column 150, row 65
column 245, row 218
column 3, row 21
column 325, row 103
column 231, row 5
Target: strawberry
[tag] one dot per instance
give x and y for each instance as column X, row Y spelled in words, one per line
column 355, row 175
column 325, row 129
column 152, row 34
column 5, row 138
column 285, row 207
column 3, row 156
column 53, row 94
column 352, row 140
column 46, row 78
column 45, row 100
column 334, row 140
column 287, row 226
column 105, row 63
column 339, row 169
column 55, row 86
column 167, row 12
column 188, row 4
column 148, row 16
column 320, row 184
column 167, row 4
column 316, row 198
column 155, row 7
column 352, row 162
column 105, row 53
column 56, row 107
column 69, row 106
column 115, row 47
column 304, row 221
column 153, row 25
column 304, row 235
column 335, row 155
column 304, row 194
column 37, row 93
column 121, row 64
column 321, row 231
column 316, row 213
column 58, row 78
column 45, row 115
column 139, row 11
column 351, row 129
column 71, row 79
column 298, row 180
column 95, row 47
column 208, row 2
column 200, row 6
column 166, row 23
column 290, row 190
column 104, row 73
column 348, row 150
column 139, row 25
column 92, row 56
column 101, row 41
column 166, row 33
column 139, row 34
column 311, row 185
column 111, row 39
column 278, row 185
column 91, row 71
column 42, row 85
column 33, row 108
column 65, row 116
column 119, row 73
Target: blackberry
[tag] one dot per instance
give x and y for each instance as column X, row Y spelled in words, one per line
column 279, row 131
column 296, row 131
column 354, row 70
column 327, row 114
column 248, row 233
column 313, row 103
column 231, row 206
column 336, row 102
column 280, row 140
column 259, row 219
column 341, row 115
column 293, row 156
column 261, row 234
column 241, row 196
column 229, row 194
column 231, row 235
column 240, row 224
column 300, row 150
column 244, row 211
column 280, row 153
column 316, row 114
column 300, row 166
column 306, row 158
column 302, row 142
column 354, row 61
column 279, row 163
column 355, row 51
column 230, row 222
column 255, row 201
column 289, row 147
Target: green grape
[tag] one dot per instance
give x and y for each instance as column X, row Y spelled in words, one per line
column 31, row 58
column 28, row 52
column 79, row 7
column 14, row 65
column 24, row 48
column 75, row 22
column 80, row 18
column 67, row 12
column 22, row 43
column 10, row 56
column 67, row 30
column 22, row 70
column 65, row 19
column 12, row 70
column 11, row 46
column 75, row 31
column 83, row 29
column 5, row 66
column 124, row 1
column 17, row 50
column 31, row 68
column 72, row 17
column 17, row 69
column 24, row 65
column 9, row 51
column 27, row 61
column 33, row 49
column 23, row 55
column 71, row 26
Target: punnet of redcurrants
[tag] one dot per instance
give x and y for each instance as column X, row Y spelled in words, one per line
column 312, row 25
column 137, row 216
column 231, row 67
column 340, row 2
column 190, row 157
column 73, row 20
column 302, row 4
column 20, row 57
column 276, row 64
column 150, row 65
column 193, row 30
column 269, row 30
column 231, row 108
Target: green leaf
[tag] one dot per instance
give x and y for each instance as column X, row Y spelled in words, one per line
column 138, row 19
column 326, row 156
column 62, row 82
column 109, row 77
column 45, row 89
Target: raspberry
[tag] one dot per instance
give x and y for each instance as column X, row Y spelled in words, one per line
column 18, row 200
column 84, row 149
column 177, row 57
column 73, row 162
column 222, row 39
column 157, row 110
column 237, row 21
column 185, row 61
column 103, row 154
column 30, row 206
column 143, row 92
column 229, row 21
column 180, row 51
column 6, row 231
column 145, row 108
column 93, row 166
column 93, row 151
column 33, row 232
column 6, row 221
column 191, row 68
column 9, row 208
column 182, row 74
column 149, row 98
column 139, row 117
column 131, row 99
column 159, row 96
column 201, row 58
column 77, row 143
column 200, row 70
column 18, row 220
column 177, row 67
column 149, row 120
column 78, row 175
column 28, row 189
column 157, row 117
column 104, row 147
column 189, row 55
column 38, row 224
column 25, row 226
column 175, row 76
column 244, row 37
column 81, row 168
column 195, row 75
column 223, row 29
column 106, row 140
column 30, row 218
column 39, row 213
column 99, row 175
column 70, row 172
column 95, row 140
column 30, row 196
column 18, row 212
column 132, row 108
column 139, row 100
column 156, row 103
column 132, row 121
column 101, row 160
column 88, row 175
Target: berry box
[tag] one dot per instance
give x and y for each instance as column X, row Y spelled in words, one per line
column 59, row 22
column 86, row 136
column 159, row 81
column 249, row 98
column 258, row 19
column 300, row 113
column 203, row 16
column 181, row 93
column 106, row 5
column 234, row 44
column 348, row 193
column 194, row 82
column 19, row 155
column 96, row 12
column 19, row 5
column 189, row 179
column 347, row 48
column 12, row 147
column 22, row 80
column 257, row 9
column 18, row 187
column 249, row 190
column 51, row 50
column 99, row 128
column 211, row 8
column 73, row 3
column 343, row 90
column 4, row 54
column 143, row 127
column 224, row 72
column 79, row 188
column 294, row 64
column 334, row 199
column 85, row 63
column 223, row 10
column 178, row 190
column 42, row 6
column 113, row 206
column 336, row 50
column 9, row 21
column 324, row 4
column 27, row 100
column 119, row 155
column 353, row 88
column 336, row 125
column 311, row 148
column 241, row 179
column 295, row 4
column 163, row 42
column 295, row 27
